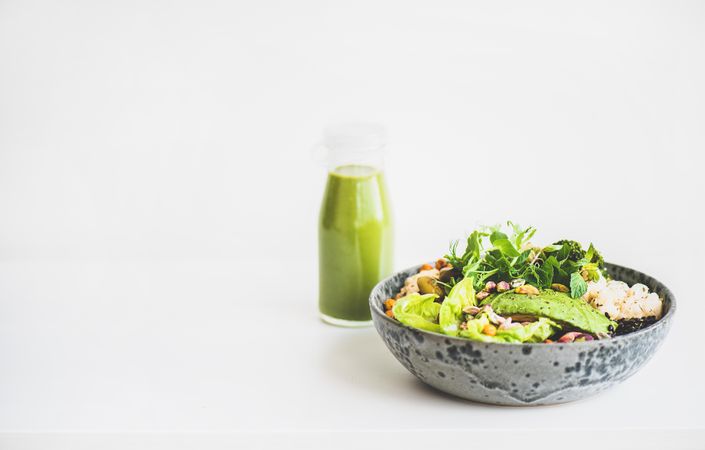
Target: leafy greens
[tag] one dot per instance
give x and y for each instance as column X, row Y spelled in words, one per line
column 512, row 257
column 451, row 313
column 418, row 311
column 537, row 331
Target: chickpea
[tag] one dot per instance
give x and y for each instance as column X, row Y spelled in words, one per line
column 527, row 289
column 489, row 330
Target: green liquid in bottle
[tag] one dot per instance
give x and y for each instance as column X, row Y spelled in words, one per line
column 354, row 243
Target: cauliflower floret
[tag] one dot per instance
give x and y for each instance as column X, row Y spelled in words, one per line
column 594, row 287
column 620, row 301
column 639, row 290
column 614, row 284
column 630, row 308
column 607, row 300
column 652, row 305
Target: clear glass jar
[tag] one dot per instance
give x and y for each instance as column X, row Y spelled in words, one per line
column 355, row 234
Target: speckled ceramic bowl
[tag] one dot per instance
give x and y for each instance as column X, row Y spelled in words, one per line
column 520, row 374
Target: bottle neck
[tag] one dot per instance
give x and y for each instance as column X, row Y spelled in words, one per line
column 361, row 161
column 355, row 171
column 354, row 144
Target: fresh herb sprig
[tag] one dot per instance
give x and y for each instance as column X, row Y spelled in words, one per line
column 511, row 256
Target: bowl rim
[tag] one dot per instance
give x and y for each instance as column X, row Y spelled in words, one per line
column 375, row 308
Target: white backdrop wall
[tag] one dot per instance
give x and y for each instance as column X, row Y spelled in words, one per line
column 154, row 153
column 177, row 129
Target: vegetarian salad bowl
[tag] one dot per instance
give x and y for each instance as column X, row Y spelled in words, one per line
column 510, row 323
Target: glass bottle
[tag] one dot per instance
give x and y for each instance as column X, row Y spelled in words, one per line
column 355, row 236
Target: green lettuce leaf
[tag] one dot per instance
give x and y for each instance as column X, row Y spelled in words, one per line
column 451, row 312
column 418, row 311
column 537, row 331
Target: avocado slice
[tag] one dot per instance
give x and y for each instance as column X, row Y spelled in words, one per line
column 555, row 305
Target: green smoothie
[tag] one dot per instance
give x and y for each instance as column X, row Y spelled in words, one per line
column 354, row 242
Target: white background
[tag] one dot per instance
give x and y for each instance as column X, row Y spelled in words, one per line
column 155, row 157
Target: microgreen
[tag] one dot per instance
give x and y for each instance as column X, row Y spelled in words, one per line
column 493, row 254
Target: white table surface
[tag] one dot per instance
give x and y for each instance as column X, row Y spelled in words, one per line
column 175, row 353
column 158, row 206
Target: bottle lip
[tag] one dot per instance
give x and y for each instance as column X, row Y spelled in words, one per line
column 354, row 137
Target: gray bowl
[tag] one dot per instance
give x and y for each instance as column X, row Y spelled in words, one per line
column 520, row 374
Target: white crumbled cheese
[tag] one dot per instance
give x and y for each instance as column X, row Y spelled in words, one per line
column 620, row 301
